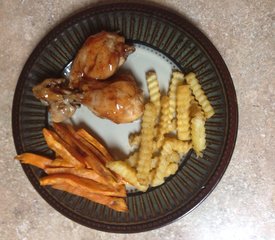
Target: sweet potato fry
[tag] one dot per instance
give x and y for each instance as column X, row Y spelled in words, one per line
column 99, row 168
column 85, row 173
column 115, row 203
column 34, row 159
column 68, row 132
column 90, row 139
column 89, row 149
column 63, row 132
column 60, row 162
column 63, row 149
column 82, row 183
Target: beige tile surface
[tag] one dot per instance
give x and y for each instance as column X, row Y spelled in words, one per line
column 243, row 204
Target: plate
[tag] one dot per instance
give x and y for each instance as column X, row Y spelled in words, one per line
column 164, row 41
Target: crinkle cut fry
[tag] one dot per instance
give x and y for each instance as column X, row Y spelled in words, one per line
column 127, row 172
column 176, row 80
column 164, row 125
column 146, row 144
column 153, row 87
column 199, row 94
column 183, row 112
column 198, row 134
column 159, row 176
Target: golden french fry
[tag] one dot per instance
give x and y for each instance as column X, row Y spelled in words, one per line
column 132, row 159
column 151, row 175
column 134, row 139
column 154, row 162
column 183, row 112
column 63, row 149
column 90, row 139
column 84, row 173
column 171, row 169
column 153, row 87
column 181, row 147
column 115, row 203
column 173, row 125
column 171, row 151
column 146, row 144
column 34, row 159
column 164, row 123
column 198, row 134
column 127, row 172
column 159, row 176
column 199, row 94
column 195, row 108
column 82, row 183
column 176, row 80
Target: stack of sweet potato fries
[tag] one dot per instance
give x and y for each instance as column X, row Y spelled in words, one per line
column 79, row 167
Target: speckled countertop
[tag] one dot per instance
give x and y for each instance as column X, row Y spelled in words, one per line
column 243, row 204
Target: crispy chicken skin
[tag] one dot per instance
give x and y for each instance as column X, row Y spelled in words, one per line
column 100, row 57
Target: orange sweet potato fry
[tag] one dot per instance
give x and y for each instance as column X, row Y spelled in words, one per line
column 63, row 149
column 94, row 164
column 59, row 162
column 82, row 183
column 84, row 173
column 34, row 159
column 63, row 132
column 115, row 203
column 90, row 139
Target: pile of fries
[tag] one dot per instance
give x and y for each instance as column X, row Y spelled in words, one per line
column 172, row 124
column 79, row 167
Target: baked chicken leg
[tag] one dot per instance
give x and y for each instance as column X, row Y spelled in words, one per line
column 100, row 57
column 118, row 99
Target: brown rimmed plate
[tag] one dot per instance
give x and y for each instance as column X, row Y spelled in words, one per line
column 177, row 41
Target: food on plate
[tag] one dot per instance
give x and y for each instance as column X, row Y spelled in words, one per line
column 164, row 122
column 83, row 183
column 176, row 80
column 118, row 99
column 198, row 133
column 115, row 203
column 146, row 143
column 93, row 82
column 153, row 88
column 79, row 167
column 99, row 58
column 62, row 102
column 80, row 172
column 95, row 144
column 183, row 112
column 171, row 125
column 34, row 159
column 128, row 173
column 63, row 149
column 193, row 82
column 132, row 159
column 174, row 130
